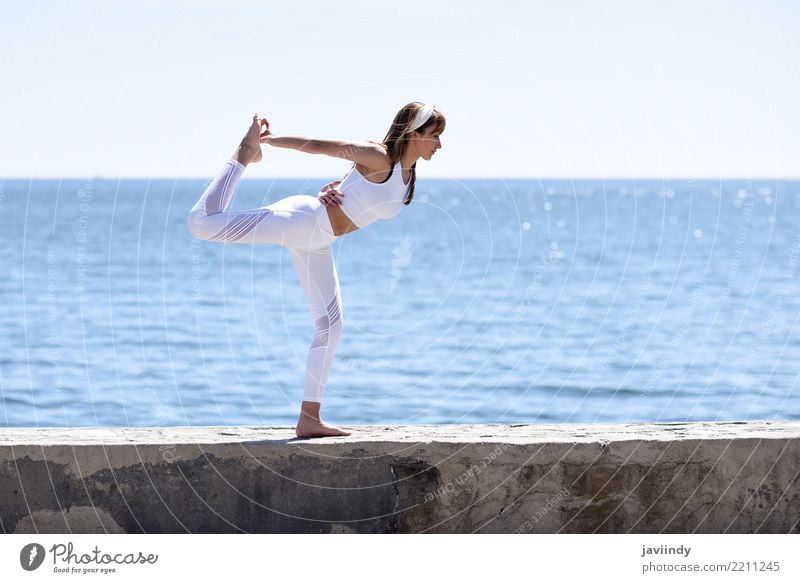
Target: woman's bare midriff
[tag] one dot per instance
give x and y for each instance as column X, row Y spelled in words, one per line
column 340, row 222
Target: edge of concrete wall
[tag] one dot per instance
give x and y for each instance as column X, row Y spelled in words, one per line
column 702, row 477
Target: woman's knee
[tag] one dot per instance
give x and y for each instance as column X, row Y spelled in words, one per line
column 328, row 332
column 335, row 331
column 198, row 225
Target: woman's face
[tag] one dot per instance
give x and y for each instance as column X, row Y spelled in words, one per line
column 428, row 142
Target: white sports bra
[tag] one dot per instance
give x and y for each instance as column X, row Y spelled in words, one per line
column 365, row 202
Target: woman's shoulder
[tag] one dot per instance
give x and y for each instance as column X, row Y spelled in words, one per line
column 377, row 174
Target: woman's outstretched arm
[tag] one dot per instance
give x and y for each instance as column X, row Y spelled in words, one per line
column 368, row 154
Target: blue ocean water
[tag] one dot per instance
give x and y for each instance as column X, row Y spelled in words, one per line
column 484, row 301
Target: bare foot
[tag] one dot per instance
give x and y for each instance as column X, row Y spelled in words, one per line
column 317, row 428
column 249, row 149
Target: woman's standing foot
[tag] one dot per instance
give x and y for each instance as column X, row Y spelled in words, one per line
column 249, row 149
column 310, row 424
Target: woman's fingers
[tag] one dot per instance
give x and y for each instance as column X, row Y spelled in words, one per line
column 329, row 195
column 328, row 189
column 329, row 199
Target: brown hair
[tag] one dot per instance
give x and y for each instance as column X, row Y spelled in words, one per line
column 396, row 140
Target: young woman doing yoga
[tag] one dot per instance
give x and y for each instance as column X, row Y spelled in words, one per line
column 377, row 185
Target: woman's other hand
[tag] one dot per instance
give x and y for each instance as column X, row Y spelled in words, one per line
column 329, row 195
column 265, row 135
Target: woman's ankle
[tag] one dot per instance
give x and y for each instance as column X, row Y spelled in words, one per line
column 309, row 411
column 237, row 163
column 244, row 154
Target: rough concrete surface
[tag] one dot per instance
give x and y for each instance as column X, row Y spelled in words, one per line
column 734, row 477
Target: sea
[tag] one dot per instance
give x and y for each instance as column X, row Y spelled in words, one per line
column 484, row 301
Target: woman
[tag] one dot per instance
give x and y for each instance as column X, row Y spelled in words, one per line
column 377, row 185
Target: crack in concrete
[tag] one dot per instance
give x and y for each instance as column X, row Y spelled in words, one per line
column 396, row 489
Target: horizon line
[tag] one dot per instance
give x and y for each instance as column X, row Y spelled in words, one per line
column 327, row 178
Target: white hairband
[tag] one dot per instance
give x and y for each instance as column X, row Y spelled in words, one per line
column 423, row 114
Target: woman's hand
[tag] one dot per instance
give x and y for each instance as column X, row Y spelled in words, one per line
column 265, row 135
column 329, row 195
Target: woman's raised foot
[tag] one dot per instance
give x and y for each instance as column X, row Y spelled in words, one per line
column 249, row 149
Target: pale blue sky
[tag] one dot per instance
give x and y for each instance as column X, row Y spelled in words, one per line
column 531, row 88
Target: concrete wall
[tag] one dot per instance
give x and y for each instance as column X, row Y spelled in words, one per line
column 739, row 477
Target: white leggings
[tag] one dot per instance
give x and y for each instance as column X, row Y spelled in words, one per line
column 300, row 223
